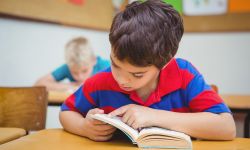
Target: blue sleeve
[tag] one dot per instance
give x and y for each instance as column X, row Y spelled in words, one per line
column 61, row 73
column 80, row 101
column 199, row 95
column 101, row 64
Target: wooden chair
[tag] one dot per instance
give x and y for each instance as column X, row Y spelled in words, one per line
column 23, row 107
column 215, row 88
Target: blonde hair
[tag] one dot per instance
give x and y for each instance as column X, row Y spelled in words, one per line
column 79, row 52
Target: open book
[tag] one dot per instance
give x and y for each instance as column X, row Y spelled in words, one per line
column 153, row 137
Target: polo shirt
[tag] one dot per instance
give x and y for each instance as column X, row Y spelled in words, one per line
column 181, row 88
column 63, row 72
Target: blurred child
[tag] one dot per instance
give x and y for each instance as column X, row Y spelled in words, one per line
column 81, row 63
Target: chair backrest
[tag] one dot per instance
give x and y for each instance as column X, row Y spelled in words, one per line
column 23, row 107
column 214, row 87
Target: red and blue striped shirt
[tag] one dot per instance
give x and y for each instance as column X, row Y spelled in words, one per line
column 181, row 88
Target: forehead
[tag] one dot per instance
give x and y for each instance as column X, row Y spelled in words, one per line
column 125, row 65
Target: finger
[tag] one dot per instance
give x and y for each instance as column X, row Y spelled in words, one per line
column 96, row 111
column 104, row 127
column 130, row 121
column 106, row 132
column 102, row 138
column 119, row 112
column 135, row 125
column 126, row 116
column 98, row 122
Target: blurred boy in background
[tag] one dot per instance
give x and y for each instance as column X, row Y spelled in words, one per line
column 81, row 63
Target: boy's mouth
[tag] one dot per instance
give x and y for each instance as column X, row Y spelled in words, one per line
column 125, row 88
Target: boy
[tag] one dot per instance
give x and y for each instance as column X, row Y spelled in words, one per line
column 146, row 85
column 81, row 63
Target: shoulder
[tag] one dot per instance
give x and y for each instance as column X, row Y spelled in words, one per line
column 186, row 66
column 186, row 71
column 102, row 61
column 61, row 69
column 63, row 66
column 62, row 72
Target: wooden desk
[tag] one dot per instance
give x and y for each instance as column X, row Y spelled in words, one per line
column 237, row 101
column 240, row 103
column 9, row 134
column 57, row 139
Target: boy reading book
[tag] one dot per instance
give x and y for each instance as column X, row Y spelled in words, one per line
column 146, row 85
column 151, row 137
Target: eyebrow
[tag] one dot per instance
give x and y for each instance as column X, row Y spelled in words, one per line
column 120, row 67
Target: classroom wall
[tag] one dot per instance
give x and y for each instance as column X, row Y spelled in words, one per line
column 29, row 50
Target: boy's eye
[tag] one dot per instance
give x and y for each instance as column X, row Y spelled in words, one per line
column 138, row 75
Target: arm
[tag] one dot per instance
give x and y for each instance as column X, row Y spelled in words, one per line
column 203, row 125
column 93, row 129
column 51, row 84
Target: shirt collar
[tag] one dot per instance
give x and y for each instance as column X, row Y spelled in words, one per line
column 170, row 78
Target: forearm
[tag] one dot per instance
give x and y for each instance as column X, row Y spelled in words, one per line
column 59, row 86
column 202, row 125
column 72, row 122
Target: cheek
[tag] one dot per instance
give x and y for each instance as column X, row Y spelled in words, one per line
column 114, row 71
column 74, row 75
column 140, row 82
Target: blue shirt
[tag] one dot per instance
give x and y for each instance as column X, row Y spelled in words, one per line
column 63, row 71
column 181, row 88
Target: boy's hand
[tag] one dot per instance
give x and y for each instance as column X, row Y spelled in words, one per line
column 95, row 129
column 135, row 116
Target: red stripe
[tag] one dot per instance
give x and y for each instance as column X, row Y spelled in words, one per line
column 70, row 102
column 186, row 78
column 102, row 81
column 183, row 109
column 204, row 100
column 88, row 97
column 107, row 109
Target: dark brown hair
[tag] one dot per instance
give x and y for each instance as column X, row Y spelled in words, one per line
column 146, row 33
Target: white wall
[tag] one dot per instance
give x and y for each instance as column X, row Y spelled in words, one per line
column 29, row 50
column 223, row 58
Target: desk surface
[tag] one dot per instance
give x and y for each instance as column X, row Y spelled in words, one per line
column 233, row 101
column 9, row 134
column 237, row 101
column 57, row 139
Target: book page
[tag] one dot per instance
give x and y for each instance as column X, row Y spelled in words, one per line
column 117, row 122
column 162, row 131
